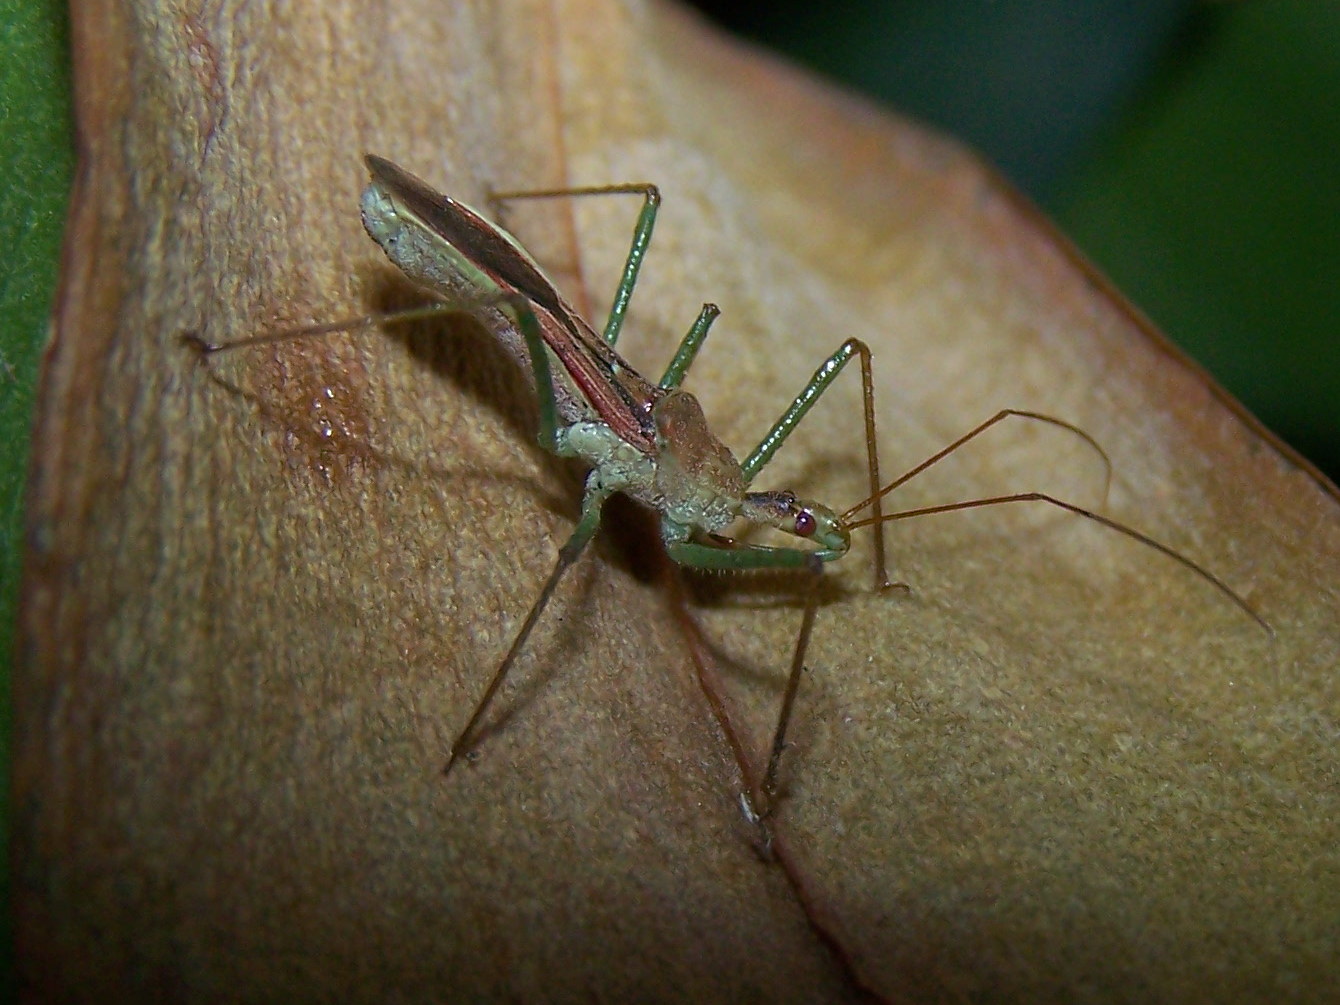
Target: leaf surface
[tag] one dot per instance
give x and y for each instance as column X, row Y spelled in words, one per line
column 264, row 593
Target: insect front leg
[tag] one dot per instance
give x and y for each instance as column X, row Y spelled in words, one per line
column 739, row 557
column 805, row 400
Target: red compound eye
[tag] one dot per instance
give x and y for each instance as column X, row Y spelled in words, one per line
column 805, row 523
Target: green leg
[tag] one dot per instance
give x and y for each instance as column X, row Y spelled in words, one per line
column 646, row 221
column 524, row 315
column 688, row 348
column 813, row 389
column 584, row 531
column 738, row 558
column 809, row 394
column 702, row 556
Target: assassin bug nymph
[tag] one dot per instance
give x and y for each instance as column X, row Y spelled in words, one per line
column 649, row 441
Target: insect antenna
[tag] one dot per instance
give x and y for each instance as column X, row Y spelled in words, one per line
column 879, row 519
column 976, row 431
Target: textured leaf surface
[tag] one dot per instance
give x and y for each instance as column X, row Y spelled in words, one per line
column 264, row 593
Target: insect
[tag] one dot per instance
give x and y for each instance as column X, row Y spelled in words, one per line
column 649, row 441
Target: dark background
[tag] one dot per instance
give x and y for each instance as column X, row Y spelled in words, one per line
column 1189, row 148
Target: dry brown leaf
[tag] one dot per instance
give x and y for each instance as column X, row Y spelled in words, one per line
column 261, row 595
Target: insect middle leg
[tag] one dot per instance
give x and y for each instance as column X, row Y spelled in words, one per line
column 587, row 524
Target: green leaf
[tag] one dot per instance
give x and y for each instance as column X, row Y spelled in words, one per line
column 36, row 159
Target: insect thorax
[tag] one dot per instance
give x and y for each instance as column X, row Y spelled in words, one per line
column 693, row 480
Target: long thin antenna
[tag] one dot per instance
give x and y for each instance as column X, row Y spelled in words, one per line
column 973, row 433
column 1121, row 528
